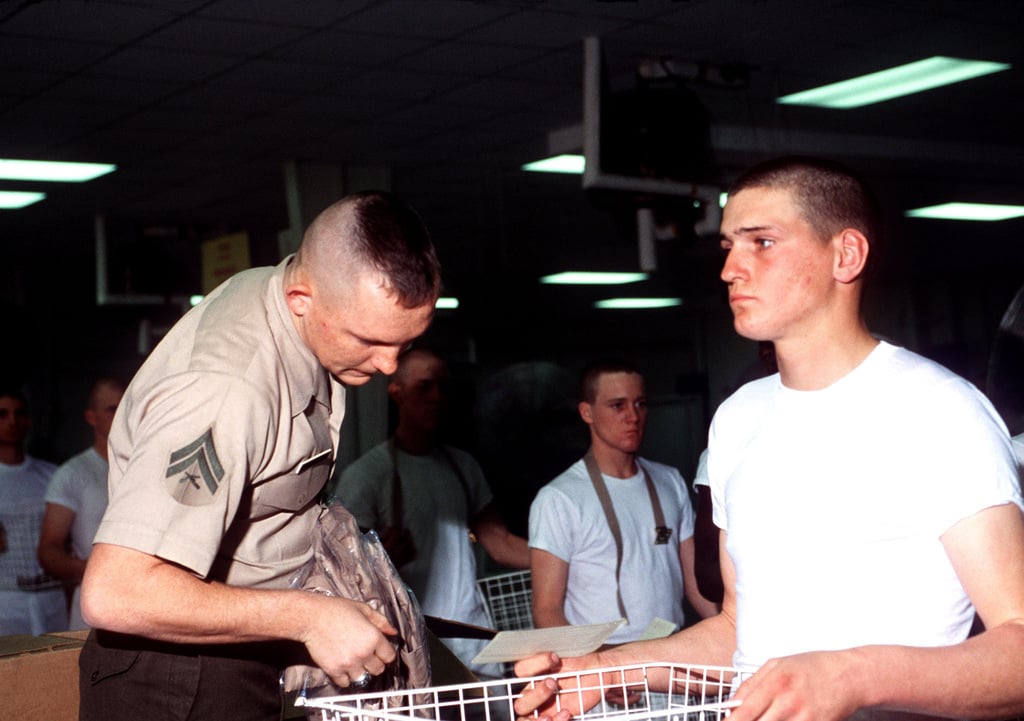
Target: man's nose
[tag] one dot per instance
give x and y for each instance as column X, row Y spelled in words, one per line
column 386, row 361
column 731, row 267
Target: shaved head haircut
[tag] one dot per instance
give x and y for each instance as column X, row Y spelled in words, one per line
column 406, row 359
column 830, row 196
column 590, row 377
column 111, row 382
column 372, row 231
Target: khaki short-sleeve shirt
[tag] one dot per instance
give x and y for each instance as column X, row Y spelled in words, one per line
column 224, row 439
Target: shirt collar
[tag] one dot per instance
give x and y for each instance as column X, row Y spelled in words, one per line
column 304, row 375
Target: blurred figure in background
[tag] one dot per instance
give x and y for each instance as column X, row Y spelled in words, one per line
column 425, row 499
column 30, row 601
column 614, row 522
column 77, row 497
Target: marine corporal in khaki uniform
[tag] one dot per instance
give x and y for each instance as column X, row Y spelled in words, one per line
column 219, row 450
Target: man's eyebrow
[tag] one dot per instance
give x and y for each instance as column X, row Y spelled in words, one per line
column 377, row 341
column 753, row 229
column 746, row 230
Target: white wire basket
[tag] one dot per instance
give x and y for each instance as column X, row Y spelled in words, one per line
column 508, row 598
column 621, row 693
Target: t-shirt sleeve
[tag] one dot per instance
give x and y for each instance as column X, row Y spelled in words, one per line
column 972, row 465
column 181, row 470
column 61, row 488
column 553, row 520
column 479, row 491
column 364, row 489
column 700, row 477
column 687, row 517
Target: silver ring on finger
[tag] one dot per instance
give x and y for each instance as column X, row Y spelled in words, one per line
column 361, row 680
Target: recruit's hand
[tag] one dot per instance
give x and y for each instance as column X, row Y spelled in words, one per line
column 551, row 700
column 807, row 687
column 347, row 638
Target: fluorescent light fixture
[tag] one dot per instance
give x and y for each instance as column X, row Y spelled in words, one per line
column 567, row 163
column 574, row 277
column 638, row 303
column 11, row 199
column 52, row 170
column 893, row 83
column 968, row 211
column 444, row 303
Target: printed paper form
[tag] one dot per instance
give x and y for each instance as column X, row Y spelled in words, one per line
column 564, row 640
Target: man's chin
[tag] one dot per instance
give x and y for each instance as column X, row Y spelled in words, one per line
column 353, row 378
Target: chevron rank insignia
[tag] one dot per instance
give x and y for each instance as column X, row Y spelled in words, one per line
column 194, row 472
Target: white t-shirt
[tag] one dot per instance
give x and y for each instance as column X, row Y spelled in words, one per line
column 22, row 488
column 834, row 502
column 436, row 511
column 567, row 521
column 700, row 477
column 1018, row 451
column 80, row 484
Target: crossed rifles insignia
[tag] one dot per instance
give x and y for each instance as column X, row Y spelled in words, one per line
column 194, row 471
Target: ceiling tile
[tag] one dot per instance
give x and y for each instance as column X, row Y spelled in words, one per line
column 174, row 65
column 415, row 18
column 221, row 37
column 96, row 20
column 468, row 59
column 307, row 13
column 356, row 50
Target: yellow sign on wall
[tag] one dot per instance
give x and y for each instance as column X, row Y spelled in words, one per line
column 223, row 257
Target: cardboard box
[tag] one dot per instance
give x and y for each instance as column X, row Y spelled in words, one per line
column 40, row 676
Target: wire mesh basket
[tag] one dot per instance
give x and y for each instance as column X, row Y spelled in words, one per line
column 20, row 524
column 508, row 597
column 622, row 693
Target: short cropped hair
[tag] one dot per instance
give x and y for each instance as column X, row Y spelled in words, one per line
column 392, row 239
column 830, row 196
column 591, row 374
column 113, row 382
column 13, row 390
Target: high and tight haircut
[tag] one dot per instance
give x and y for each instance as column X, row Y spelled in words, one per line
column 591, row 374
column 103, row 382
column 405, row 357
column 392, row 239
column 830, row 196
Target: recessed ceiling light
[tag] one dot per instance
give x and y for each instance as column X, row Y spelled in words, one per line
column 574, row 277
column 968, row 211
column 52, row 170
column 572, row 164
column 893, row 83
column 11, row 199
column 638, row 303
column 446, row 303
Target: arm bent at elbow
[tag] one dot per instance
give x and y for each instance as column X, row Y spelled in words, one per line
column 549, row 576
column 53, row 553
column 501, row 544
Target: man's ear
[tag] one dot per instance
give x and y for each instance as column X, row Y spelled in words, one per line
column 299, row 297
column 851, row 256
column 586, row 412
column 90, row 417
